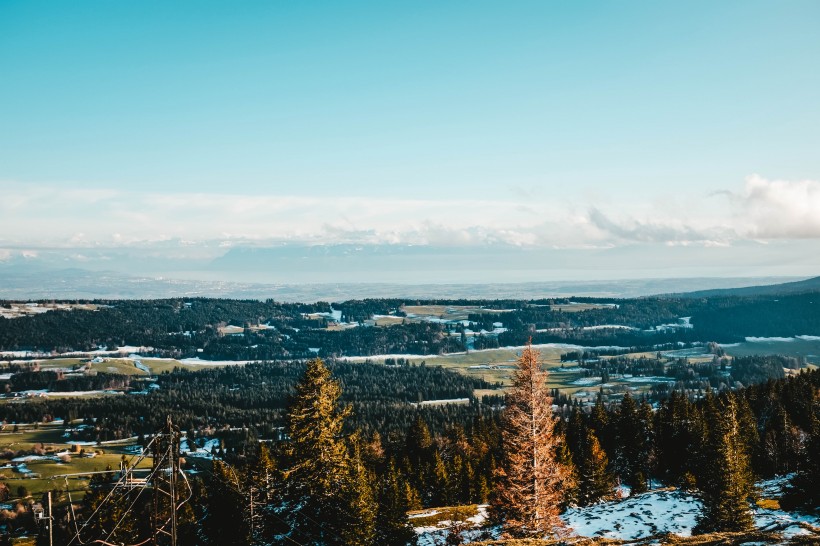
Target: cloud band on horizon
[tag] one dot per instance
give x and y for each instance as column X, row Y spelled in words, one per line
column 37, row 215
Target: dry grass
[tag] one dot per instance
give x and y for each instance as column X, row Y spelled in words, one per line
column 769, row 504
column 392, row 321
column 432, row 517
column 448, row 312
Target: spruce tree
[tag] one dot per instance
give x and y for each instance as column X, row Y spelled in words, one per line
column 531, row 479
column 595, row 482
column 804, row 487
column 261, row 491
column 322, row 485
column 726, row 482
column 627, row 433
column 644, row 448
column 358, row 521
column 392, row 526
column 634, row 443
column 420, row 462
column 674, row 440
column 110, row 513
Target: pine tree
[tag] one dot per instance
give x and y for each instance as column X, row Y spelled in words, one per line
column 726, row 483
column 674, row 440
column 644, row 448
column 595, row 482
column 392, row 526
column 262, row 492
column 321, row 488
column 437, row 481
column 359, row 518
column 804, row 488
column 627, row 433
column 420, row 461
column 634, row 443
column 226, row 519
column 531, row 478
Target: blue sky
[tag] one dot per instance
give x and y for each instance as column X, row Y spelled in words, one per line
column 561, row 124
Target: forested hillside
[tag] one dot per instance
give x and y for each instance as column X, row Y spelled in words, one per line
column 252, row 398
column 253, row 330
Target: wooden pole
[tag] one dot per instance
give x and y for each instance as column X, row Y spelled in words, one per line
column 50, row 522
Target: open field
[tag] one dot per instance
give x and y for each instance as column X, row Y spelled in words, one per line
column 448, row 312
column 498, row 365
column 21, row 309
column 48, row 440
column 389, row 320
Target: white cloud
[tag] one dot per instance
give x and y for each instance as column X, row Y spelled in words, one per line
column 777, row 209
column 38, row 215
column 46, row 216
column 762, row 210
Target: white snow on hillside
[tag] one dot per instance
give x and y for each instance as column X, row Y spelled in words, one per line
column 637, row 517
column 641, row 516
column 437, row 535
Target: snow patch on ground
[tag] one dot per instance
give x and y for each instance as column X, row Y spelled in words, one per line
column 196, row 361
column 640, row 516
column 637, row 517
column 472, row 531
column 443, row 401
column 30, row 458
column 650, row 379
column 587, row 381
column 205, row 452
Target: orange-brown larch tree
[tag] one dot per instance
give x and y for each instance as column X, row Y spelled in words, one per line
column 528, row 496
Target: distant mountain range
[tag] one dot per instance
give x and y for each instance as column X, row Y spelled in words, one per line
column 796, row 287
column 333, row 272
column 19, row 282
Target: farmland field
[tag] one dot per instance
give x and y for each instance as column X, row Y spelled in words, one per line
column 49, row 454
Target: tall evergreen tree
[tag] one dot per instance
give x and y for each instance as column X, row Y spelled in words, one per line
column 227, row 518
column 627, row 438
column 593, row 480
column 804, row 488
column 392, row 526
column 359, row 518
column 262, row 493
column 531, row 478
column 323, row 494
column 674, row 440
column 645, row 447
column 726, row 481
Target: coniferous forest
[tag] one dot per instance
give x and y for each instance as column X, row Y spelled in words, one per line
column 331, row 477
column 324, row 451
column 195, row 327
